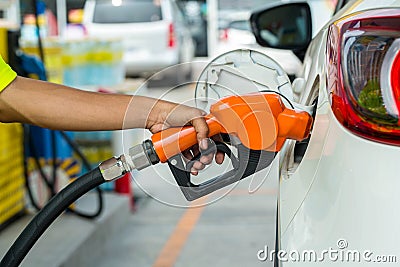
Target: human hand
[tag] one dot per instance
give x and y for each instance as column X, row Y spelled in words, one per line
column 166, row 114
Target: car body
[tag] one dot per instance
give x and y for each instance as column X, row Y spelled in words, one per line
column 340, row 189
column 154, row 33
column 235, row 32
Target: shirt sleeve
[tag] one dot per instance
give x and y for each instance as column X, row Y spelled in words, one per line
column 7, row 75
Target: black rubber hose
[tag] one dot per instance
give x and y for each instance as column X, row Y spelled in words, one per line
column 29, row 143
column 87, row 166
column 46, row 216
column 40, row 44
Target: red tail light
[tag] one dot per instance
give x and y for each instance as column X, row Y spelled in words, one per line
column 224, row 35
column 364, row 74
column 171, row 36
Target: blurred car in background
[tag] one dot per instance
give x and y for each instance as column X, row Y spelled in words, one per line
column 197, row 25
column 340, row 189
column 154, row 33
column 235, row 32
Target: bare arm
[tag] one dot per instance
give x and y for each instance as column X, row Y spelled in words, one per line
column 60, row 107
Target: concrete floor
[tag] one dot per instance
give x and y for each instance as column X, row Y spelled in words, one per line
column 166, row 231
column 228, row 232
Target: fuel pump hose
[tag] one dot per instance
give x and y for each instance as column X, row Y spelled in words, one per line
column 107, row 171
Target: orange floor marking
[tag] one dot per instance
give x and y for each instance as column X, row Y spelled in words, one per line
column 171, row 250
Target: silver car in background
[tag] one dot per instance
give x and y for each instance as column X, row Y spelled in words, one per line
column 154, row 33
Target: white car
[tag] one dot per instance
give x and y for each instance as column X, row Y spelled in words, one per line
column 340, row 190
column 154, row 33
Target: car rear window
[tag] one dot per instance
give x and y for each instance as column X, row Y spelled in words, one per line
column 243, row 25
column 127, row 11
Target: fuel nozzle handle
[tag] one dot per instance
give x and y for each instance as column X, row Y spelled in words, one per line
column 172, row 141
column 260, row 121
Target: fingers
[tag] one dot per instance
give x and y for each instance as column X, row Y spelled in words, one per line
column 206, row 158
column 219, row 156
column 197, row 166
column 202, row 162
column 201, row 128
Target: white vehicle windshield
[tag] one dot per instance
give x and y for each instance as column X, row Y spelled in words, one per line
column 117, row 11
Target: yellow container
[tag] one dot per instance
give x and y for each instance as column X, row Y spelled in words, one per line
column 53, row 53
column 12, row 190
column 3, row 43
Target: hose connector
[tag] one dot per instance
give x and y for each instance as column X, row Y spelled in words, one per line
column 139, row 157
column 142, row 156
column 114, row 168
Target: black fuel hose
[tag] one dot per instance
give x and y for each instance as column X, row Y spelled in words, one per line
column 87, row 166
column 50, row 185
column 45, row 217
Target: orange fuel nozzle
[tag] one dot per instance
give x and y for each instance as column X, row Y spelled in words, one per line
column 259, row 120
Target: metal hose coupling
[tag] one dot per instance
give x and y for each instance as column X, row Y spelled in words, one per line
column 139, row 157
column 142, row 156
column 114, row 168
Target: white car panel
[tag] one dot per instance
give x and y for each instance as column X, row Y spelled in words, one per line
column 354, row 196
column 345, row 186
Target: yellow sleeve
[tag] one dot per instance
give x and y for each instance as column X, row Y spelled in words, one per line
column 7, row 75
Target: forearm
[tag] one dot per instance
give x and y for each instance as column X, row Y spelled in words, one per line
column 59, row 107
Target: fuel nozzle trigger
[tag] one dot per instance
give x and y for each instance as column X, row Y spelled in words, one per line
column 213, row 147
column 247, row 163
